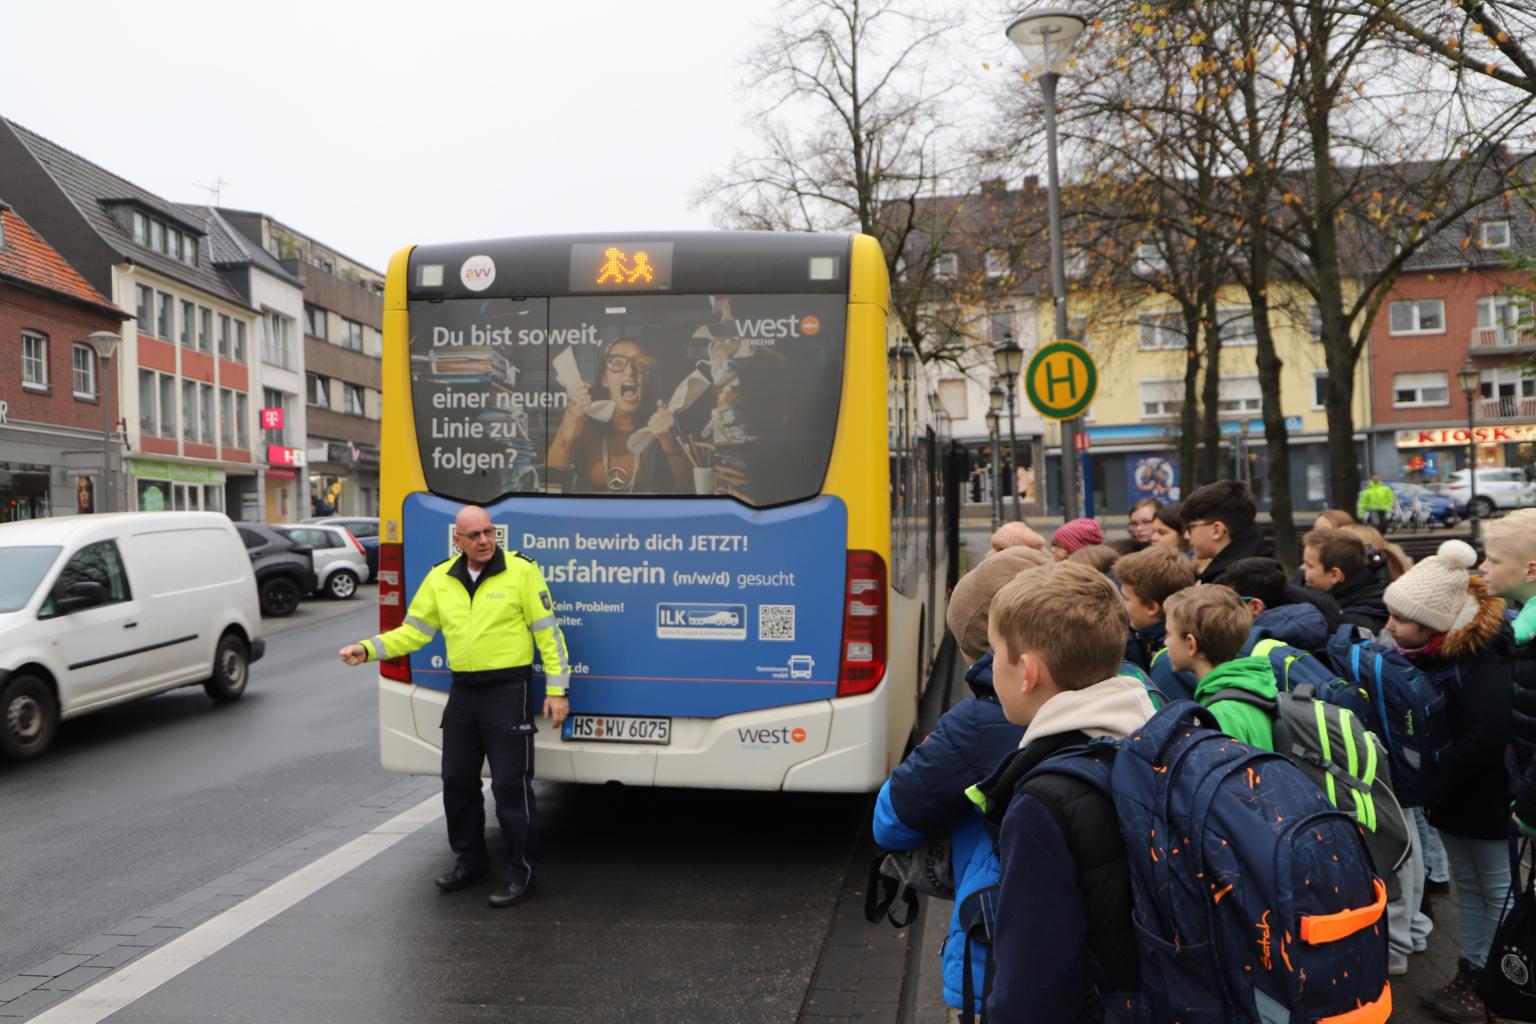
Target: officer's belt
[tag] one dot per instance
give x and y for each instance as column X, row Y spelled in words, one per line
column 494, row 676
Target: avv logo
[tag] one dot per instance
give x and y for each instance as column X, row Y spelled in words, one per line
column 477, row 273
column 676, row 621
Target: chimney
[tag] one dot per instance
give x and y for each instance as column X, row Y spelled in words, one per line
column 994, row 187
column 1032, row 183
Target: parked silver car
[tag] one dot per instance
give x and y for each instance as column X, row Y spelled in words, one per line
column 340, row 562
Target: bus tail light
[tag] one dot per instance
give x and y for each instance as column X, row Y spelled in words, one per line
column 392, row 606
column 864, row 624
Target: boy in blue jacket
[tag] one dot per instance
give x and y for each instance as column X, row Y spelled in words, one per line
column 925, row 795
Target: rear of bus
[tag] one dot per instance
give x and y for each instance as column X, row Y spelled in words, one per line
column 719, row 571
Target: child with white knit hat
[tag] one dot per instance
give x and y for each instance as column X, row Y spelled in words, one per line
column 1446, row 622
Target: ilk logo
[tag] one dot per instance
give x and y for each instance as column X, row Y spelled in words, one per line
column 477, row 273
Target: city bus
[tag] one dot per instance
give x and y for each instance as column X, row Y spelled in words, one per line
column 727, row 466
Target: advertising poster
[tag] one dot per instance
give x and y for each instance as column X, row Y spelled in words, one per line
column 674, row 395
column 677, row 608
column 1152, row 476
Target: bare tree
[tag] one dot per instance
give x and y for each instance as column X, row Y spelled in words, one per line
column 854, row 133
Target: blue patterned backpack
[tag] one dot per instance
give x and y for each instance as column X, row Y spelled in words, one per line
column 1255, row 899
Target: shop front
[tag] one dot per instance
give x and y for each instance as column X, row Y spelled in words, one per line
column 159, row 486
column 1432, row 455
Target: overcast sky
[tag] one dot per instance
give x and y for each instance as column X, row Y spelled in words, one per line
column 374, row 125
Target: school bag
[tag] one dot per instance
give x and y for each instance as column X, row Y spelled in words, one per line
column 1403, row 705
column 1254, row 899
column 1333, row 748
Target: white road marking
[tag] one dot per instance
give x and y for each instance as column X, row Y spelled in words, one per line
column 161, row 964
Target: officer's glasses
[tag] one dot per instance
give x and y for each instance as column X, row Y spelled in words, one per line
column 489, row 531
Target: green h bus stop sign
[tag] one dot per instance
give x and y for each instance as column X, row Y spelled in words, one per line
column 1061, row 380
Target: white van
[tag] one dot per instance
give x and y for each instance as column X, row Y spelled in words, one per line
column 99, row 609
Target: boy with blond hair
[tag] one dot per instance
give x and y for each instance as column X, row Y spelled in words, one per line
column 1057, row 640
column 1207, row 627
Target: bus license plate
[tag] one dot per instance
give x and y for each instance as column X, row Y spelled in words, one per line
column 617, row 729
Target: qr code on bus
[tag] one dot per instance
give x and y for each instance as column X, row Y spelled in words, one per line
column 775, row 622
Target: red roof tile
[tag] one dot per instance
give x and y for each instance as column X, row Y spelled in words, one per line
column 26, row 257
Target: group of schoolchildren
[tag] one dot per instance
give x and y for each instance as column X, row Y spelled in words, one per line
column 1079, row 652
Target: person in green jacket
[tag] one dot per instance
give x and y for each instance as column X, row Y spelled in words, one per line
column 1207, row 627
column 1375, row 503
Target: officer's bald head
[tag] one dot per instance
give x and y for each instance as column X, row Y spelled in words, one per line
column 471, row 518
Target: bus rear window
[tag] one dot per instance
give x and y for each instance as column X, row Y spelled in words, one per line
column 670, row 395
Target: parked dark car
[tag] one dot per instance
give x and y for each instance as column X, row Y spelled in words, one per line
column 365, row 529
column 1437, row 509
column 285, row 569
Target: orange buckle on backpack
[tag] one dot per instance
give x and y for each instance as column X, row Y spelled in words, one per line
column 1319, row 928
column 1370, row 1013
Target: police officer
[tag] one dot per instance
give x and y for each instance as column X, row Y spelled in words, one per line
column 491, row 607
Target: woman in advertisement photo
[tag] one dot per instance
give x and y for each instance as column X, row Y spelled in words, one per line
column 593, row 441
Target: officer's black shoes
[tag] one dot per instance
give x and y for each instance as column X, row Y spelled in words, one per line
column 459, row 877
column 511, row 894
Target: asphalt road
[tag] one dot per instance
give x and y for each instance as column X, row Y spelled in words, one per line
column 140, row 803
column 656, row 905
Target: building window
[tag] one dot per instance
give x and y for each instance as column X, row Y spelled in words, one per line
column 204, row 329
column 188, row 410
column 351, row 335
column 946, row 266
column 955, row 397
column 276, row 346
column 167, row 316
column 242, row 417
column 167, row 405
column 140, row 229
column 1314, row 322
column 273, row 399
column 1509, row 387
column 1160, row 331
column 1319, row 389
column 83, row 360
column 1418, row 316
column 34, row 360
column 1000, row 326
column 205, row 393
column 352, row 396
column 146, row 308
column 1150, row 261
column 148, row 421
column 314, row 321
column 226, row 417
column 318, row 390
column 1239, row 395
column 239, row 341
column 996, row 263
column 157, row 235
column 1416, row 389
column 1498, row 321
column 1493, row 234
column 224, row 335
column 1161, row 398
column 188, row 324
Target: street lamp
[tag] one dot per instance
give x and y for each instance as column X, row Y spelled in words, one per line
column 1471, row 381
column 997, row 495
column 1010, row 360
column 105, row 343
column 1046, row 37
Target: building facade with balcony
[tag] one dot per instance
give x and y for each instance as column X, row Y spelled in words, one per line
column 342, row 327
column 1459, row 301
column 52, row 384
column 185, row 378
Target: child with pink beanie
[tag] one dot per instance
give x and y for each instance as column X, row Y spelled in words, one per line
column 1073, row 535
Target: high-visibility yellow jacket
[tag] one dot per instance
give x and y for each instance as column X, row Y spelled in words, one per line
column 1375, row 498
column 489, row 624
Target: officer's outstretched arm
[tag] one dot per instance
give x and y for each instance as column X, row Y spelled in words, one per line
column 420, row 626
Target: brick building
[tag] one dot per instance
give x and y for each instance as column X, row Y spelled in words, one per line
column 51, row 383
column 187, row 377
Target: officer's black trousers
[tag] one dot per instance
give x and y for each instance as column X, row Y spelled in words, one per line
column 492, row 723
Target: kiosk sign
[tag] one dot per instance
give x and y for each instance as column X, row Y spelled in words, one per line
column 1061, row 380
